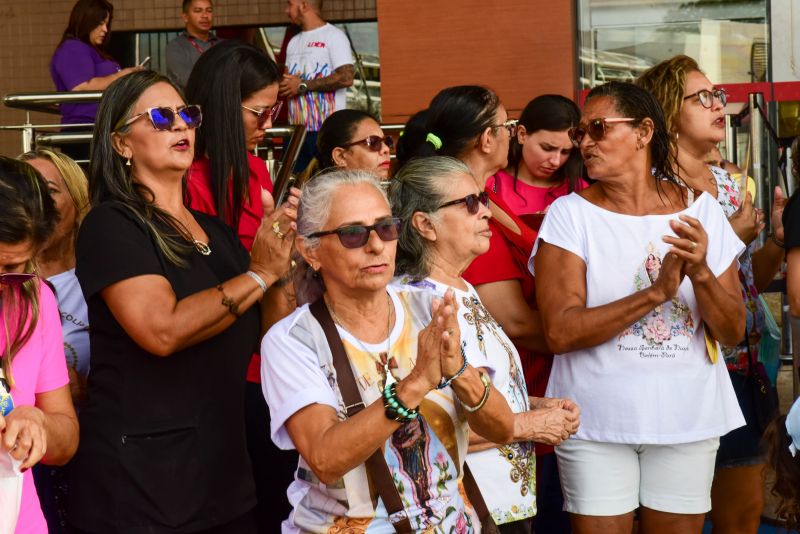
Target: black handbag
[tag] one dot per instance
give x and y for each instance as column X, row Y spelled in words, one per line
column 763, row 394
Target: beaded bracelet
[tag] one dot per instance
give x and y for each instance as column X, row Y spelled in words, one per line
column 394, row 408
column 450, row 380
column 487, row 386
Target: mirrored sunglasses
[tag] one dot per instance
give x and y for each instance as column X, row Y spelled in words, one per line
column 357, row 235
column 269, row 113
column 471, row 201
column 15, row 279
column 374, row 142
column 707, row 97
column 163, row 118
column 596, row 128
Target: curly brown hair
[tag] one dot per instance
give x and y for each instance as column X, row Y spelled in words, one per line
column 787, row 472
column 667, row 82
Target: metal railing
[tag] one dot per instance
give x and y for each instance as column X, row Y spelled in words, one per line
column 54, row 135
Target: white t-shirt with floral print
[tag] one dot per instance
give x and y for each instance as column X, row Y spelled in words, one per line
column 653, row 383
column 506, row 474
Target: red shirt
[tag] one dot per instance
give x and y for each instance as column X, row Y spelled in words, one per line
column 200, row 196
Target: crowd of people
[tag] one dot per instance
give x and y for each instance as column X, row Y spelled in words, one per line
column 550, row 323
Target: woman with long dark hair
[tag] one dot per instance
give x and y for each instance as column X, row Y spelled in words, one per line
column 172, row 297
column 37, row 419
column 542, row 163
column 236, row 85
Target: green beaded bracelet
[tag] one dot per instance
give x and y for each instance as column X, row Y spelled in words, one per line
column 394, row 408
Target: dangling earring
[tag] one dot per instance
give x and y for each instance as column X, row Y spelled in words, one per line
column 128, row 162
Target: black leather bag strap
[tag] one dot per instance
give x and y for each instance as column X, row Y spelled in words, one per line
column 376, row 465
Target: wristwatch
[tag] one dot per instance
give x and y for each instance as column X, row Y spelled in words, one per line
column 302, row 88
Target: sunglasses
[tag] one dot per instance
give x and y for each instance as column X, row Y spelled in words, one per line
column 15, row 279
column 596, row 128
column 472, row 201
column 269, row 113
column 373, row 142
column 163, row 118
column 510, row 125
column 357, row 235
column 707, row 97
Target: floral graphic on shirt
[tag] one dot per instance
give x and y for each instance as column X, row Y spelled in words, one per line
column 667, row 321
column 736, row 357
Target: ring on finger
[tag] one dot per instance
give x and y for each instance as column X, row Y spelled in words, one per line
column 276, row 229
column 693, row 244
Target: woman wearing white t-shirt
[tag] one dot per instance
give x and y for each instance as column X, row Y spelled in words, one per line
column 421, row 393
column 639, row 277
column 446, row 226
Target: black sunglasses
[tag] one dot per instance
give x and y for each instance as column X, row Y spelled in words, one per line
column 707, row 97
column 268, row 113
column 373, row 142
column 163, row 118
column 15, row 279
column 472, row 201
column 357, row 235
column 596, row 128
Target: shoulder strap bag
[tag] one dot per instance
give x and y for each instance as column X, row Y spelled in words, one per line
column 376, row 465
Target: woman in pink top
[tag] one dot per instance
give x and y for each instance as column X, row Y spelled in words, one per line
column 542, row 165
column 37, row 422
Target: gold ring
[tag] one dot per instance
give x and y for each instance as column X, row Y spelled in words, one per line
column 276, row 229
column 694, row 245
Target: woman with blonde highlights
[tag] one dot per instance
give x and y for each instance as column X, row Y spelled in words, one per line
column 694, row 112
column 56, row 262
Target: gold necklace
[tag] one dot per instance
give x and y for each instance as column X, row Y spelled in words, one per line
column 382, row 363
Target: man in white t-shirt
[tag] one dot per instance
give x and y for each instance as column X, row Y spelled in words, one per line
column 319, row 69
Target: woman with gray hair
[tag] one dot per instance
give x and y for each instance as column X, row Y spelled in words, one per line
column 398, row 352
column 446, row 226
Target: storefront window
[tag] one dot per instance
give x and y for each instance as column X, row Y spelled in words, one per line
column 619, row 39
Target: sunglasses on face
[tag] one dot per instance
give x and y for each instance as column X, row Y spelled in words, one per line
column 707, row 97
column 357, row 235
column 472, row 202
column 163, row 118
column 374, row 143
column 596, row 128
column 266, row 114
column 510, row 125
column 15, row 279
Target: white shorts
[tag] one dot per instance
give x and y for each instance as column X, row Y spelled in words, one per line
column 606, row 479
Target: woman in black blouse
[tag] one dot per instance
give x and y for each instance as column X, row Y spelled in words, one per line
column 172, row 300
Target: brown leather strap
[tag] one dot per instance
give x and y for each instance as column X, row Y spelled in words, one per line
column 376, row 464
column 474, row 494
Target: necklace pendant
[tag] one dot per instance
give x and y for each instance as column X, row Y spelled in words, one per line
column 202, row 248
column 390, row 379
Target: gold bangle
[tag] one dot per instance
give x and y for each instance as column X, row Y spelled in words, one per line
column 487, row 386
column 229, row 303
